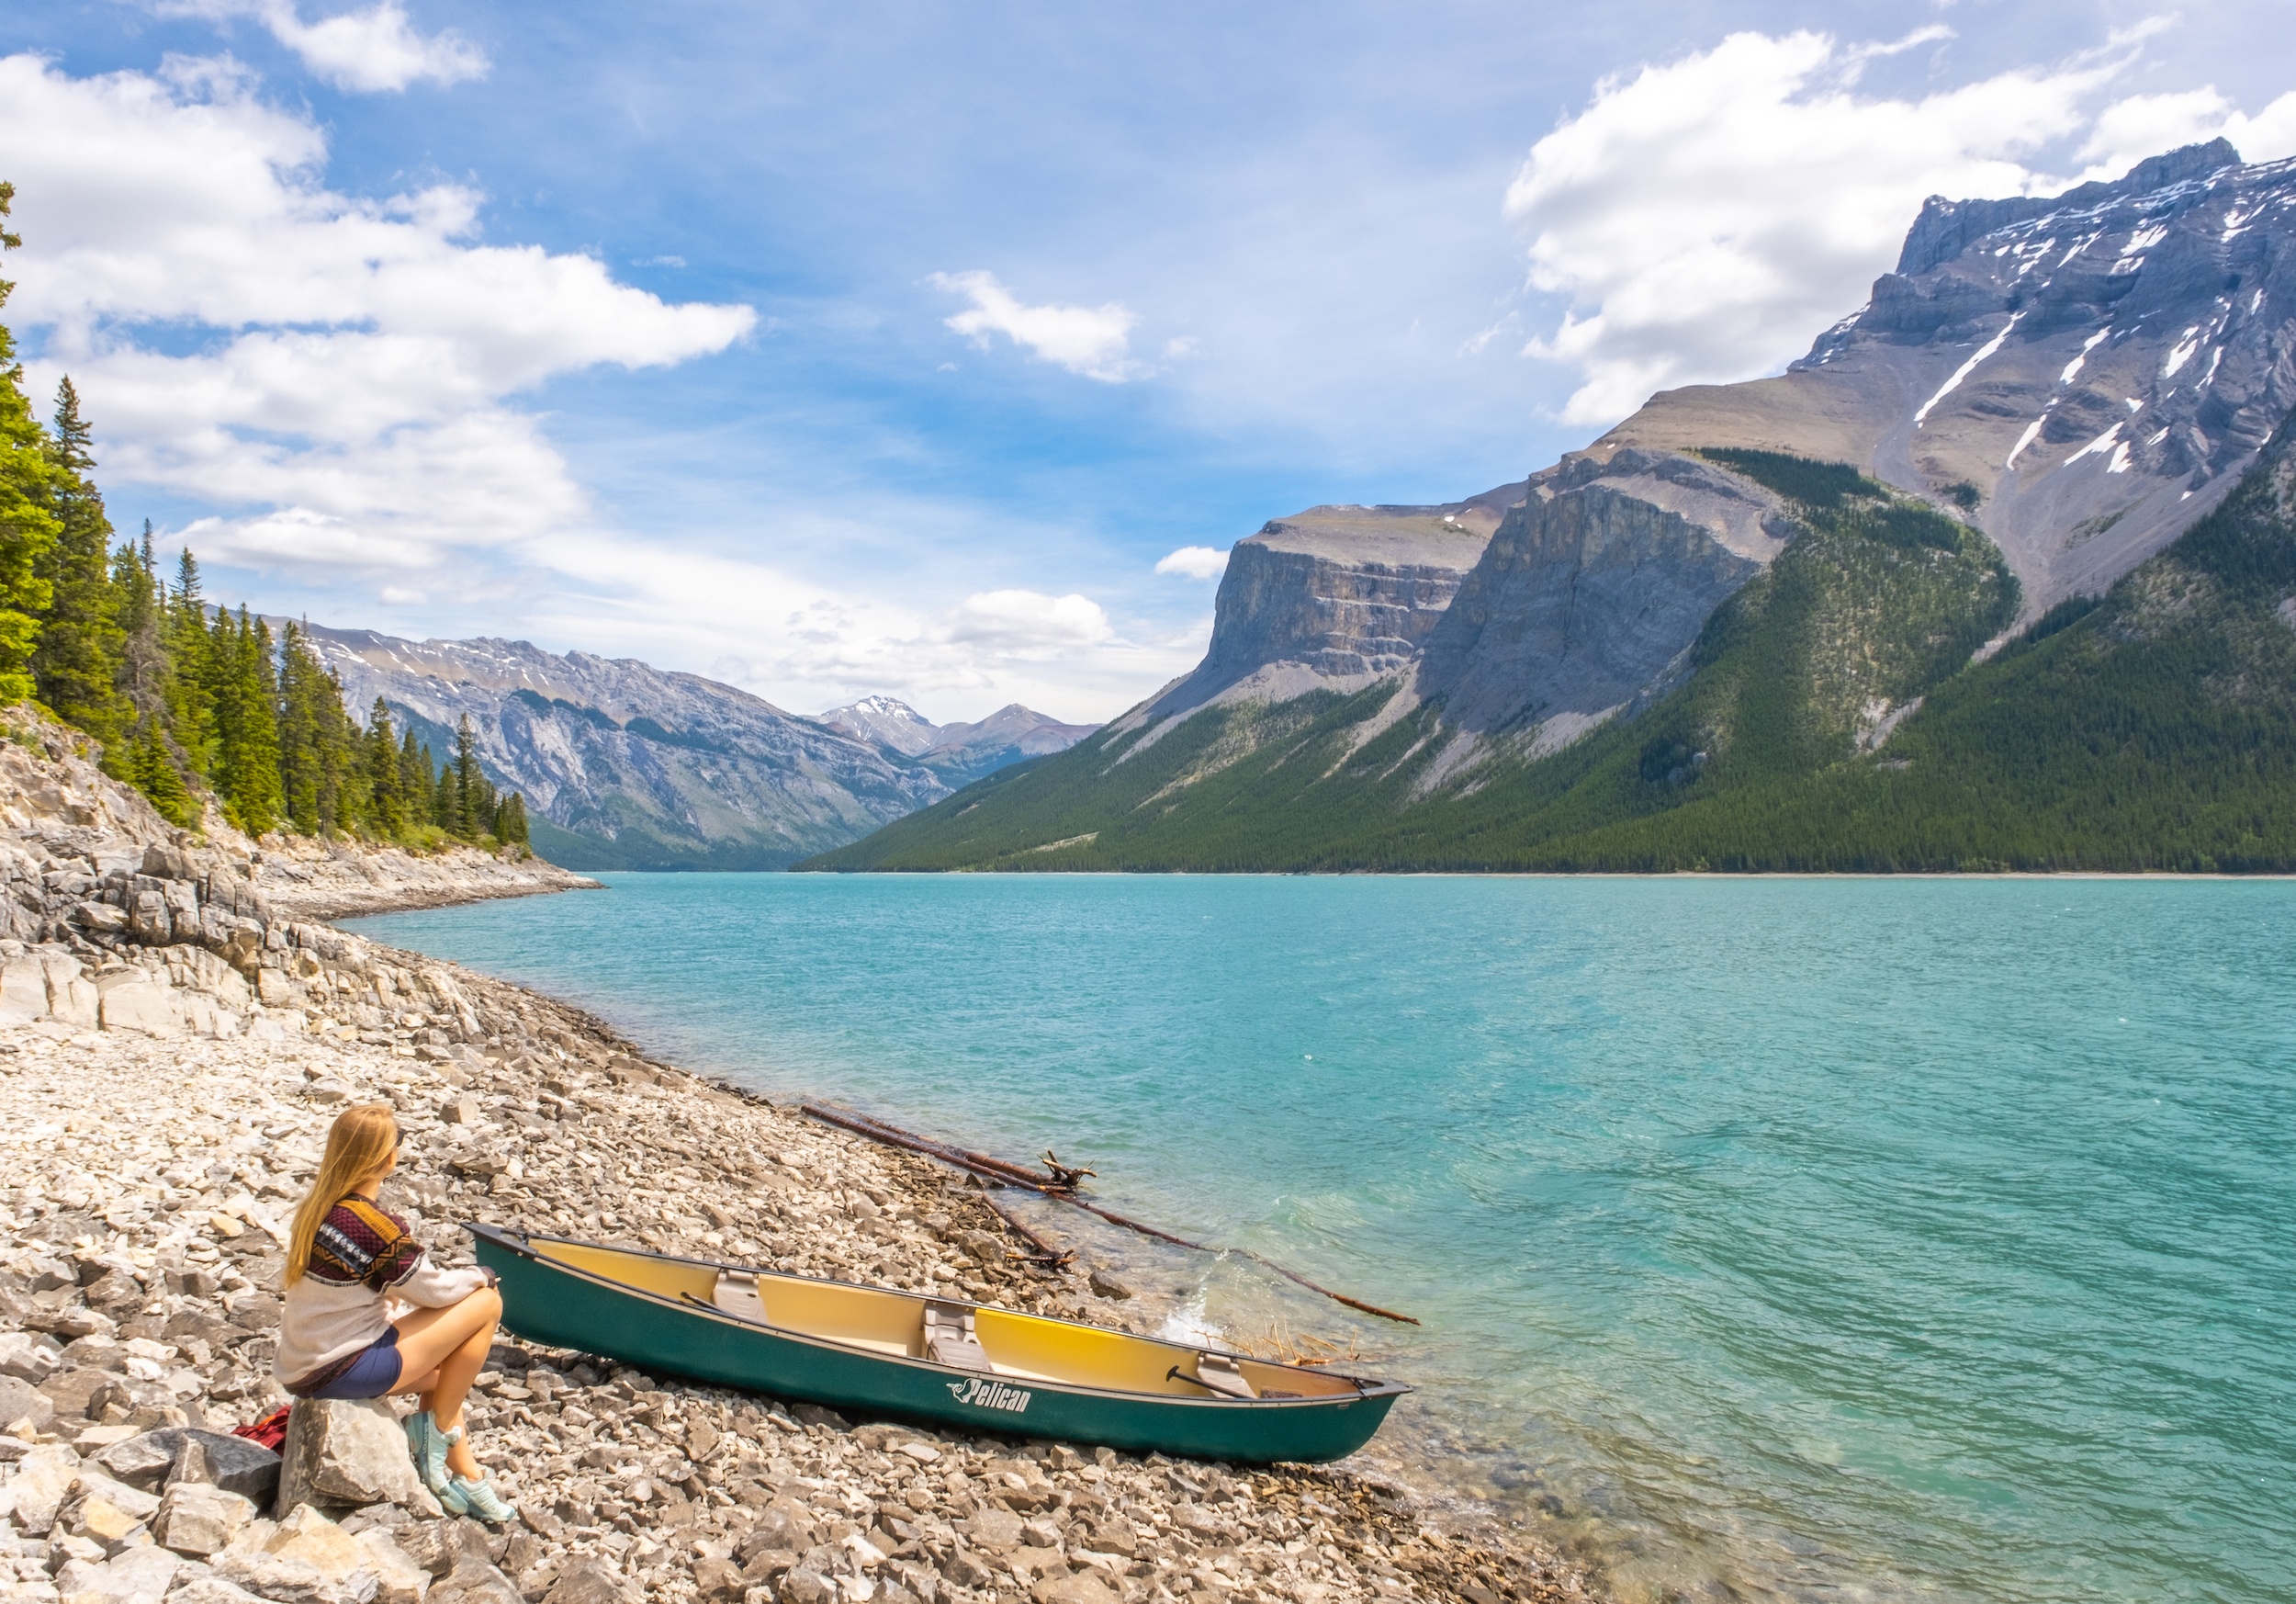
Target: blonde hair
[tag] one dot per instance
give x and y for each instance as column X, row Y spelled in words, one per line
column 359, row 1144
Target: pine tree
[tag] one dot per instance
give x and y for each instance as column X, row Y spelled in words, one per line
column 247, row 732
column 471, row 803
column 386, row 793
column 28, row 528
column 418, row 781
column 509, row 821
column 152, row 771
column 82, row 651
column 190, row 691
column 136, row 598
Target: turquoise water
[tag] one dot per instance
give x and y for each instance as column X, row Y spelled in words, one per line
column 1795, row 1238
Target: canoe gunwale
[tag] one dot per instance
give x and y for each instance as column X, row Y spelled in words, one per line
column 516, row 1242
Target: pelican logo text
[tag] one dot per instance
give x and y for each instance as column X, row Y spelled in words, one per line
column 994, row 1395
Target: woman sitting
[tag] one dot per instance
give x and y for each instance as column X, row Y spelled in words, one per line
column 347, row 1258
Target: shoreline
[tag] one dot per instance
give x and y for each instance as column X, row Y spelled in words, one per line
column 521, row 1109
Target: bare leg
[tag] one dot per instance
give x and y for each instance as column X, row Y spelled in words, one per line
column 441, row 1352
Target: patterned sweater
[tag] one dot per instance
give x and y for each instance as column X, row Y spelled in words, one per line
column 362, row 1257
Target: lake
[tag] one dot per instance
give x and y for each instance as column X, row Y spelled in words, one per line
column 1802, row 1239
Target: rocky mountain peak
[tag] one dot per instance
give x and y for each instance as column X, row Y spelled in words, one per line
column 1946, row 226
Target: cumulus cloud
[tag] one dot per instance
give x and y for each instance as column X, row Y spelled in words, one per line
column 1029, row 621
column 372, row 49
column 1089, row 340
column 1703, row 217
column 2142, row 125
column 331, row 374
column 800, row 644
column 1196, row 563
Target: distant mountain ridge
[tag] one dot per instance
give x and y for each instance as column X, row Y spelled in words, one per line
column 627, row 766
column 1752, row 589
column 960, row 753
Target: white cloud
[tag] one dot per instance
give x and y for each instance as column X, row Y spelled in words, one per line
column 1196, row 563
column 331, row 374
column 376, row 49
column 800, row 644
column 1089, row 340
column 1028, row 622
column 1707, row 216
column 2142, row 125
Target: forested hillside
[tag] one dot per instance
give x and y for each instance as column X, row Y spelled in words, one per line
column 188, row 700
column 2154, row 729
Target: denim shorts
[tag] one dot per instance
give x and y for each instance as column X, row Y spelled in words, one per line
column 371, row 1374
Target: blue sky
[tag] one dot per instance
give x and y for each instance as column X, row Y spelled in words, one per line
column 839, row 349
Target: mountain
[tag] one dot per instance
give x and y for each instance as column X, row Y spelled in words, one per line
column 1826, row 619
column 626, row 766
column 959, row 753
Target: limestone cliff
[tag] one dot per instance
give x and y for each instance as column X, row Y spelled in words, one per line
column 1593, row 588
column 1332, row 599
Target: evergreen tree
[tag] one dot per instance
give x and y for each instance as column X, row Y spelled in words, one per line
column 152, row 771
column 247, row 732
column 509, row 821
column 386, row 790
column 418, row 781
column 190, row 680
column 28, row 528
column 135, row 595
column 81, row 652
column 474, row 793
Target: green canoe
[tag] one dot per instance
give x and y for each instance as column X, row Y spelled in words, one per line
column 877, row 1350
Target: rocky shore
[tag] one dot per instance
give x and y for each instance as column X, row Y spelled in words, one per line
column 173, row 1044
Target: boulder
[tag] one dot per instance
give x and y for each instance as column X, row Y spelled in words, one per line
column 135, row 1573
column 23, row 989
column 106, row 1511
column 589, row 1582
column 199, row 1520
column 1083, row 1587
column 37, row 1491
column 70, row 1390
column 139, row 1004
column 803, row 1585
column 285, row 1580
column 398, row 1580
column 441, row 1546
column 716, row 1578
column 211, row 1589
column 22, row 1401
column 476, row 1582
column 185, row 1453
column 1108, row 1286
column 344, row 1452
column 308, row 1539
column 996, row 1529
column 26, row 1357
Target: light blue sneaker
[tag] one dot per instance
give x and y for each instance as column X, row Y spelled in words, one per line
column 427, row 1445
column 478, row 1499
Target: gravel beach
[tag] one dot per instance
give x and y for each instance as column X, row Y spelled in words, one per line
column 172, row 1046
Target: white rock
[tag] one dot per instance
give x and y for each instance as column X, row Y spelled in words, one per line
column 398, row 1579
column 199, row 1520
column 345, row 1452
column 37, row 1490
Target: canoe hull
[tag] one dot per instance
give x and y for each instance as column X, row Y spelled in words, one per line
column 549, row 1303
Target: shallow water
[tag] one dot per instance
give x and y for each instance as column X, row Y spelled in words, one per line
column 1814, row 1238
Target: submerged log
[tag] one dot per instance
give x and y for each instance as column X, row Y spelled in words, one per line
column 1061, row 1186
